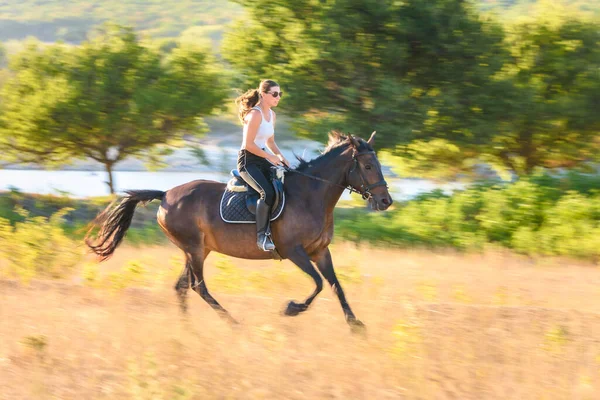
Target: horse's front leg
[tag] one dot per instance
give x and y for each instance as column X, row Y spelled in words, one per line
column 325, row 265
column 299, row 257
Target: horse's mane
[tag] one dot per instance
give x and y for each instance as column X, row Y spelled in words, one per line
column 338, row 142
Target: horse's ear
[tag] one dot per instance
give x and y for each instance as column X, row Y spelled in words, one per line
column 371, row 140
column 354, row 141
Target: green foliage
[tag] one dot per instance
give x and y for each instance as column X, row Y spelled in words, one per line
column 571, row 228
column 144, row 230
column 38, row 247
column 52, row 20
column 445, row 87
column 147, row 233
column 543, row 215
column 110, row 98
column 544, row 106
column 398, row 67
column 552, row 119
column 46, row 205
column 552, row 82
column 90, row 274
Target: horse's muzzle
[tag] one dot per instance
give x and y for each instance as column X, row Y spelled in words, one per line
column 381, row 203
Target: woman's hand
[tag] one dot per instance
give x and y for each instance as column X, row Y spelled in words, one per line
column 283, row 160
column 273, row 159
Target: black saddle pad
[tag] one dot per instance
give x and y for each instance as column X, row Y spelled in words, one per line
column 234, row 210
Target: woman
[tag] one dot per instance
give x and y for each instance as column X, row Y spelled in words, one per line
column 254, row 161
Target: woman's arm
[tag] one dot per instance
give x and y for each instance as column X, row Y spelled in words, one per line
column 253, row 120
column 271, row 145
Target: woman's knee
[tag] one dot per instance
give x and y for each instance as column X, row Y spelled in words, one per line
column 268, row 195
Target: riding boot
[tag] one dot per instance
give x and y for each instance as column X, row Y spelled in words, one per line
column 263, row 233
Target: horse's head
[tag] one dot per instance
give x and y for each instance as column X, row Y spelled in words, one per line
column 365, row 174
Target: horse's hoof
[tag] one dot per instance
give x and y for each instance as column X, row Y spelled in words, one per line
column 227, row 317
column 232, row 321
column 357, row 327
column 294, row 309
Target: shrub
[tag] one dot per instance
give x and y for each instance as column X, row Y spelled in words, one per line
column 542, row 215
column 38, row 246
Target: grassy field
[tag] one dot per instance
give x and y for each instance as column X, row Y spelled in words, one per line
column 440, row 325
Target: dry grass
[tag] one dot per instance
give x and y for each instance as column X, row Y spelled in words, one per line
column 439, row 326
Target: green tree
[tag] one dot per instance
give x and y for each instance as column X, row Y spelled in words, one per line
column 110, row 98
column 444, row 87
column 554, row 119
column 412, row 70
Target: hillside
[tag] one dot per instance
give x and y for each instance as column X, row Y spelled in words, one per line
column 51, row 20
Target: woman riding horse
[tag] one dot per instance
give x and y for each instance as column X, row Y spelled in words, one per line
column 189, row 216
column 253, row 161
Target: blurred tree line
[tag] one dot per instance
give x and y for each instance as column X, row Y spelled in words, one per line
column 446, row 87
column 51, row 20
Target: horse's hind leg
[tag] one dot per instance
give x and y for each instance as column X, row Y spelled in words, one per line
column 185, row 281
column 196, row 261
column 299, row 257
column 183, row 284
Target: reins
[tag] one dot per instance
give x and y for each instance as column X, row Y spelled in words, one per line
column 366, row 189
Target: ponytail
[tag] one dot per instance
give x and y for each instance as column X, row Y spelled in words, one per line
column 251, row 98
column 246, row 101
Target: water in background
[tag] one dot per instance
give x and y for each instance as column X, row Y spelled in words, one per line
column 92, row 183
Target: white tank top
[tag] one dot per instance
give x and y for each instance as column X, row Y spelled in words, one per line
column 265, row 130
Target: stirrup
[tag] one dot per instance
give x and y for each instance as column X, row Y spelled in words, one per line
column 267, row 243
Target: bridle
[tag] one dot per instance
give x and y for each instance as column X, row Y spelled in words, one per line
column 365, row 189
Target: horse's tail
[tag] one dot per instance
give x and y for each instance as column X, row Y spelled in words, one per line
column 115, row 222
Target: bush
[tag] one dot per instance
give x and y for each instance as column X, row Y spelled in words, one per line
column 38, row 246
column 542, row 215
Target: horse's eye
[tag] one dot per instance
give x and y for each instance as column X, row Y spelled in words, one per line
column 368, row 166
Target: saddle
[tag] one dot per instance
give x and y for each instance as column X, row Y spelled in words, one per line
column 238, row 203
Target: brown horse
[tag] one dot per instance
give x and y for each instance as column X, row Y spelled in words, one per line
column 189, row 216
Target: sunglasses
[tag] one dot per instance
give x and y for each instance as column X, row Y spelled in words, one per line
column 275, row 94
